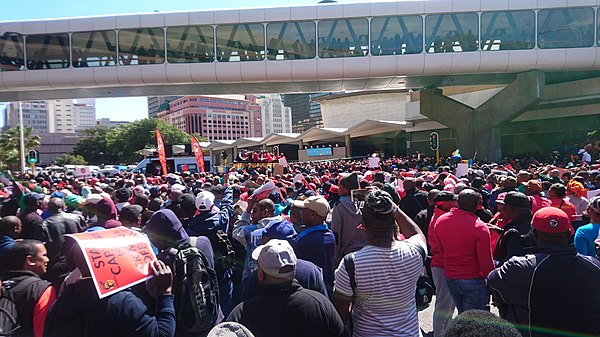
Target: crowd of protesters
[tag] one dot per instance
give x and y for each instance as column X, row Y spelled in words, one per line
column 332, row 248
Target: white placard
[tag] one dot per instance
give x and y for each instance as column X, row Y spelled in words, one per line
column 83, row 171
column 374, row 162
column 593, row 193
column 462, row 170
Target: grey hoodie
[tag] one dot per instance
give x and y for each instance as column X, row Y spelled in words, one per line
column 344, row 220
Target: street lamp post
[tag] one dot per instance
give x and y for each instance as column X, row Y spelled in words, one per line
column 21, row 138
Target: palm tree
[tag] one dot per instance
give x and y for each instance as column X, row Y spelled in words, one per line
column 10, row 145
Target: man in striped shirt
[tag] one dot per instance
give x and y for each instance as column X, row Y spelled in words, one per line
column 385, row 273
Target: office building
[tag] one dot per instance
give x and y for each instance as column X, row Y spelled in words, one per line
column 157, row 104
column 275, row 117
column 300, row 105
column 220, row 117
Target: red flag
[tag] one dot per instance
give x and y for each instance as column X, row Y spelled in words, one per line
column 198, row 153
column 161, row 152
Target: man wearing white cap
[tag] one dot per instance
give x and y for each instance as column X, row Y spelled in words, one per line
column 281, row 306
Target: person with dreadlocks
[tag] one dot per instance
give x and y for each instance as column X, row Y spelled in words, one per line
column 385, row 273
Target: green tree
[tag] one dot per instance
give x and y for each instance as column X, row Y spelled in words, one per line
column 123, row 145
column 10, row 144
column 70, row 159
column 93, row 147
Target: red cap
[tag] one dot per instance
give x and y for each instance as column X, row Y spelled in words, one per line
column 551, row 220
column 334, row 189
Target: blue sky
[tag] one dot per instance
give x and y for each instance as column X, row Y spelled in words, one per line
column 135, row 107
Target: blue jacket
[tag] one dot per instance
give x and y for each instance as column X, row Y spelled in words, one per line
column 317, row 245
column 6, row 243
column 212, row 221
column 79, row 312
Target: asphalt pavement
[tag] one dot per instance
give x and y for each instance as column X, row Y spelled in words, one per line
column 426, row 318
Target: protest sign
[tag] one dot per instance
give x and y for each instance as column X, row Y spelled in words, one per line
column 462, row 170
column 283, row 161
column 374, row 162
column 82, row 172
column 592, row 193
column 117, row 258
column 277, row 169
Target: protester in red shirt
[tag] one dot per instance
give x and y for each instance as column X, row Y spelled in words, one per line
column 464, row 243
column 444, row 305
column 533, row 191
column 557, row 194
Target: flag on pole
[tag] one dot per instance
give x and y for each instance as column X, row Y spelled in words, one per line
column 456, row 154
column 198, row 153
column 161, row 152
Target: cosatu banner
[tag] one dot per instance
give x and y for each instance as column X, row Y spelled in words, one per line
column 117, row 258
column 198, row 153
column 161, row 152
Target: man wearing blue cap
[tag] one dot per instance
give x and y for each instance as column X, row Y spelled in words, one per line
column 308, row 274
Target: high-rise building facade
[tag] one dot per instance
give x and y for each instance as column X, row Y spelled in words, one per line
column 35, row 115
column 157, row 103
column 216, row 117
column 55, row 116
column 314, row 114
column 300, row 105
column 61, row 116
column 85, row 114
column 275, row 117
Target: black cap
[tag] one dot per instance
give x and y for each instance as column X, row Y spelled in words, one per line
column 515, row 199
column 32, row 198
column 445, row 196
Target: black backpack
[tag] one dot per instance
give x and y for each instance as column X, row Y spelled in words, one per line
column 222, row 248
column 9, row 315
column 196, row 290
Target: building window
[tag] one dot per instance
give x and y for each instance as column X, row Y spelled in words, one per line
column 141, row 46
column 512, row 30
column 343, row 38
column 240, row 42
column 291, row 41
column 565, row 28
column 11, row 49
column 450, row 33
column 48, row 51
column 397, row 35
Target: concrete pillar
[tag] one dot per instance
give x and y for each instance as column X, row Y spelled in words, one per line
column 211, row 153
column 235, row 152
column 264, row 146
column 300, row 144
column 477, row 129
column 348, row 145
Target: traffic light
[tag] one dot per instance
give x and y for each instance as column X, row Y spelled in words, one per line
column 434, row 141
column 32, row 156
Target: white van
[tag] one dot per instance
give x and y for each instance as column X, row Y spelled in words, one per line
column 174, row 164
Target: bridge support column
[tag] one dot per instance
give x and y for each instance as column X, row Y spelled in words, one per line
column 477, row 130
column 348, row 145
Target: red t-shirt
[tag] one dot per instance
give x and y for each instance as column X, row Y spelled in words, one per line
column 464, row 242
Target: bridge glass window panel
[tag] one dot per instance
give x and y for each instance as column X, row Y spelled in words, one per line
column 141, row 46
column 11, row 52
column 240, row 42
column 47, row 51
column 190, row 44
column 343, row 38
column 291, row 40
column 565, row 28
column 397, row 35
column 94, row 49
column 451, row 33
column 512, row 30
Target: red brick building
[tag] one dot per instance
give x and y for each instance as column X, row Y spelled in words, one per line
column 216, row 117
